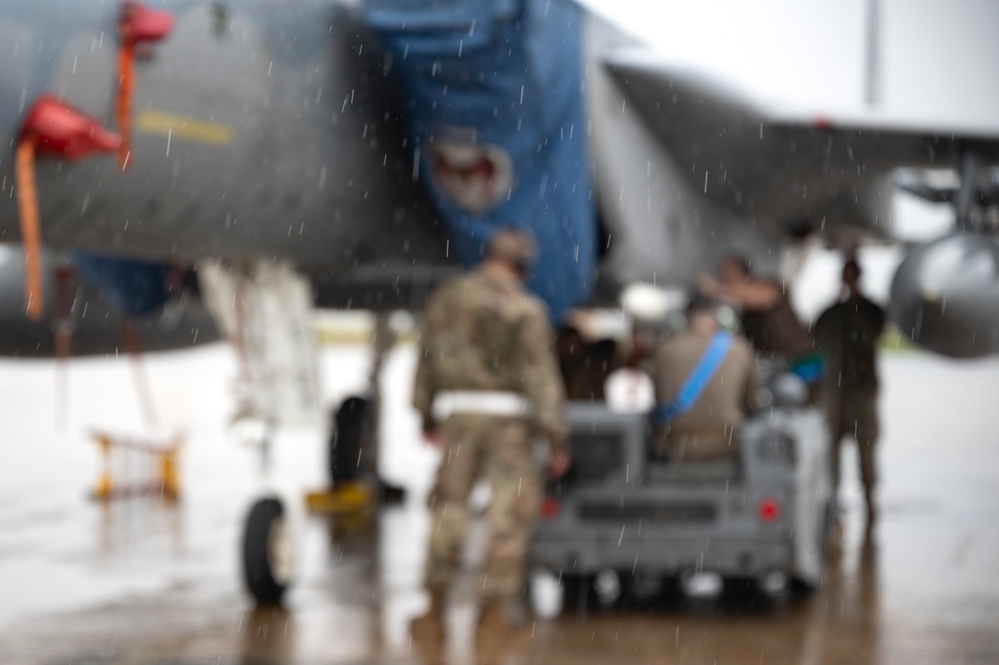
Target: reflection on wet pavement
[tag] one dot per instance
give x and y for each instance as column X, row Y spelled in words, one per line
column 140, row 582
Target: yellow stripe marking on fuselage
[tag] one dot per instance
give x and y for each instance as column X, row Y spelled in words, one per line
column 183, row 127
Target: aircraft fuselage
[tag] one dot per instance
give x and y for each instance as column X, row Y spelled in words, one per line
column 260, row 129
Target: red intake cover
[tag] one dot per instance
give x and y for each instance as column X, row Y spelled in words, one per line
column 139, row 23
column 61, row 130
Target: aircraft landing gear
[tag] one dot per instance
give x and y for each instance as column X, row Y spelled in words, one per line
column 270, row 545
column 346, row 439
column 355, row 484
column 264, row 307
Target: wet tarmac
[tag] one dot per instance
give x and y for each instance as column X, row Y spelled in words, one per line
column 143, row 581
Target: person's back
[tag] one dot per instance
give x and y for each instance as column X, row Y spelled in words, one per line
column 776, row 332
column 765, row 311
column 487, row 379
column 474, row 328
column 706, row 430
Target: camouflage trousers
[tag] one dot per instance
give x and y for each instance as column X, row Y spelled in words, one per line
column 854, row 414
column 499, row 450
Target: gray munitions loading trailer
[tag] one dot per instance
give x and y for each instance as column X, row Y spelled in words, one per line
column 762, row 514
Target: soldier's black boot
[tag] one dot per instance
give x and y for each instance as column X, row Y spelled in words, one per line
column 872, row 509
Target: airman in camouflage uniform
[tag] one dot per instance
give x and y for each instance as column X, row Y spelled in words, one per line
column 848, row 332
column 487, row 359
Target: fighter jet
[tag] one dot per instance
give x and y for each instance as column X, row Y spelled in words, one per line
column 375, row 146
column 369, row 149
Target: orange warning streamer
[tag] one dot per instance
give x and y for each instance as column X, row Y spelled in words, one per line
column 27, row 202
column 126, row 87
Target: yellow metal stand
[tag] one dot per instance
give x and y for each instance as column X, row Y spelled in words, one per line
column 346, row 498
column 166, row 480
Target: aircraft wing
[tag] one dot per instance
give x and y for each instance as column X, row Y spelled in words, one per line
column 761, row 161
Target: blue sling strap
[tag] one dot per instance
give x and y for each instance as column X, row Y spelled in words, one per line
column 693, row 387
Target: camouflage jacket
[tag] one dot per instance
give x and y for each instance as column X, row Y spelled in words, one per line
column 482, row 332
column 848, row 334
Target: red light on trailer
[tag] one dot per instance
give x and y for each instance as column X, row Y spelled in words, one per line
column 768, row 510
column 822, row 123
column 550, row 508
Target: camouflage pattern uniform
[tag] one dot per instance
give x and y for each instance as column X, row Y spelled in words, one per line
column 848, row 334
column 485, row 333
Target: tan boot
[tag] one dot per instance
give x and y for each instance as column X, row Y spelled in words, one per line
column 428, row 628
column 498, row 628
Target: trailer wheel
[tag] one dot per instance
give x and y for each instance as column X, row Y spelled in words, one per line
column 545, row 593
column 575, row 593
column 268, row 552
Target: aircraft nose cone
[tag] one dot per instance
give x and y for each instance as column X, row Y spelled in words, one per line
column 945, row 296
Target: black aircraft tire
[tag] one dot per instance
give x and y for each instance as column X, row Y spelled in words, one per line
column 264, row 583
column 345, row 439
